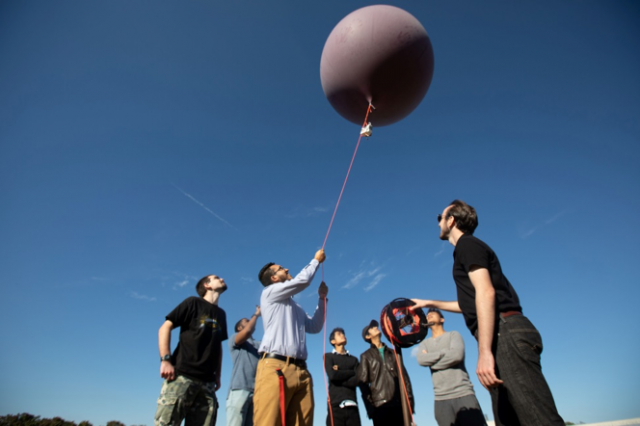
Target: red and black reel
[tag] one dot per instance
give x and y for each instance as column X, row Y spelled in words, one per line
column 403, row 326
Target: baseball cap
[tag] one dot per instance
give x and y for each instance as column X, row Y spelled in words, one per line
column 365, row 330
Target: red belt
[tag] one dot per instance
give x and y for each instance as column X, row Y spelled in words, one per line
column 509, row 313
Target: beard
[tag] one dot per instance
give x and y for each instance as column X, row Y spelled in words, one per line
column 222, row 289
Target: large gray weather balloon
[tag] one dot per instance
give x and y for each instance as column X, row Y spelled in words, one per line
column 378, row 54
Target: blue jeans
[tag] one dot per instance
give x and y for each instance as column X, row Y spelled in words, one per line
column 240, row 408
column 524, row 398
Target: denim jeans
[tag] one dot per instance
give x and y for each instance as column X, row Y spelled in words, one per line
column 524, row 398
column 240, row 408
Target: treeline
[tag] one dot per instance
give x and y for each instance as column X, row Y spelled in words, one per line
column 26, row 419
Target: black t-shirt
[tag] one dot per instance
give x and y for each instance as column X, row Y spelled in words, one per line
column 203, row 327
column 471, row 251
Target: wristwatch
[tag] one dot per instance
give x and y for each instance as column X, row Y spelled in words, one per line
column 167, row 357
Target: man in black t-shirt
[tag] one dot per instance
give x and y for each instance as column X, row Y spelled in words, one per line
column 192, row 373
column 509, row 346
column 341, row 368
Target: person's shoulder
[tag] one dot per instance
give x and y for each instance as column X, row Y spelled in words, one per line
column 368, row 351
column 189, row 301
column 471, row 242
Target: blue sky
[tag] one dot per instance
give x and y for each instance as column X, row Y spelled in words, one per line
column 145, row 144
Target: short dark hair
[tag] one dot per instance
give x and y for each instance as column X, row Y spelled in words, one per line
column 239, row 323
column 333, row 334
column 200, row 286
column 465, row 216
column 265, row 274
column 437, row 311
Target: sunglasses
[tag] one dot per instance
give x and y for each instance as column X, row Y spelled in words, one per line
column 440, row 217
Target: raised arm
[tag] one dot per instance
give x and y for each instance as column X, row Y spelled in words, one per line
column 244, row 334
column 314, row 325
column 300, row 282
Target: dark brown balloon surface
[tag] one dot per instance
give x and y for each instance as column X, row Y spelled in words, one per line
column 379, row 54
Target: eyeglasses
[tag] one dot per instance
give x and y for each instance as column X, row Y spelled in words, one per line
column 440, row 217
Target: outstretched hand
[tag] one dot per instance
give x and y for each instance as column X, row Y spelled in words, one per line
column 419, row 304
column 323, row 290
column 320, row 256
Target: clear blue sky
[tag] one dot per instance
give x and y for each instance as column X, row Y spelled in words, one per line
column 144, row 144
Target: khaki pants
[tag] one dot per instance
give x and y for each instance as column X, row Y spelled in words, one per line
column 298, row 394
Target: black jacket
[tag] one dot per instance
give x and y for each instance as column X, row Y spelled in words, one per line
column 343, row 381
column 381, row 380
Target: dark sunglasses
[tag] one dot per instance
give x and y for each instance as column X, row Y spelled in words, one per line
column 440, row 217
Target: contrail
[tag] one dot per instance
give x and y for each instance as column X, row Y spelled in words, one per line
column 202, row 205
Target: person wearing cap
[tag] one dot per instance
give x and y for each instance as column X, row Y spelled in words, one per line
column 341, row 368
column 378, row 372
column 443, row 353
column 282, row 375
column 192, row 373
column 509, row 346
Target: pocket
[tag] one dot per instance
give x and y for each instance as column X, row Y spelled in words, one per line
column 170, row 392
column 529, row 344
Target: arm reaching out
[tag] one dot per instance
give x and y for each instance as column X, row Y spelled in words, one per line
column 281, row 291
column 244, row 334
column 449, row 306
column 314, row 325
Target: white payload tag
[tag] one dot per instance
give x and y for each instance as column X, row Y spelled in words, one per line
column 366, row 130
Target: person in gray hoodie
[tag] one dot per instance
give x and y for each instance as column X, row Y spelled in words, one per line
column 443, row 353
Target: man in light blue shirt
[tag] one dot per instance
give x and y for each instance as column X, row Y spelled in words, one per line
column 282, row 375
column 244, row 353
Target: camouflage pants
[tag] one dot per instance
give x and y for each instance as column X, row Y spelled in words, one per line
column 187, row 399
